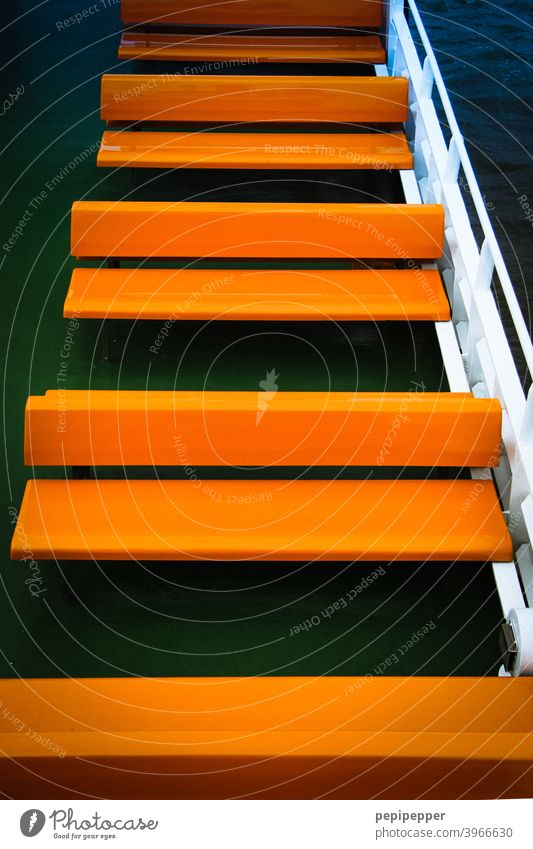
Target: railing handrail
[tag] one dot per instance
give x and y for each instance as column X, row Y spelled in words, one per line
column 515, row 311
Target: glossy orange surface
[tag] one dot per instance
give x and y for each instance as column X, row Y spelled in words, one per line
column 208, row 229
column 254, row 150
column 236, row 294
column 250, row 48
column 302, row 520
column 286, row 13
column 333, row 737
column 240, row 98
column 291, row 738
column 105, row 428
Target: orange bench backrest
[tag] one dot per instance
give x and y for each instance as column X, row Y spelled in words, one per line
column 243, row 98
column 300, row 13
column 270, row 230
column 263, row 428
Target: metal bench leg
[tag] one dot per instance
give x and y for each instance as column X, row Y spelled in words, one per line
column 112, row 262
column 106, row 341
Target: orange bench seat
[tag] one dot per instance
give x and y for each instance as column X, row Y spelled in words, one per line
column 267, row 295
column 254, row 150
column 239, row 50
column 302, row 520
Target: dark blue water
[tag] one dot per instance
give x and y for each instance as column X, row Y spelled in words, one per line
column 484, row 51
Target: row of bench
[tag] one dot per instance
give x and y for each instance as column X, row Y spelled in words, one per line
column 303, row 519
column 256, row 519
column 372, row 108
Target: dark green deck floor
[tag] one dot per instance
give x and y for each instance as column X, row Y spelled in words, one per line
column 207, row 619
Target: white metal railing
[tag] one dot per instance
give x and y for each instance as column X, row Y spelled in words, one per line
column 491, row 256
column 468, row 273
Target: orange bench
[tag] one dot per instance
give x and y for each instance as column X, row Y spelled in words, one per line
column 269, row 737
column 266, row 295
column 151, row 230
column 243, row 99
column 193, row 519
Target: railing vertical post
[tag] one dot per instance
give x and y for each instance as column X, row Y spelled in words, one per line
column 453, row 161
column 485, row 268
column 391, row 38
column 426, row 86
column 526, row 431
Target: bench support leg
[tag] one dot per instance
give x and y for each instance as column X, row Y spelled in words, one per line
column 112, row 262
column 106, row 341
